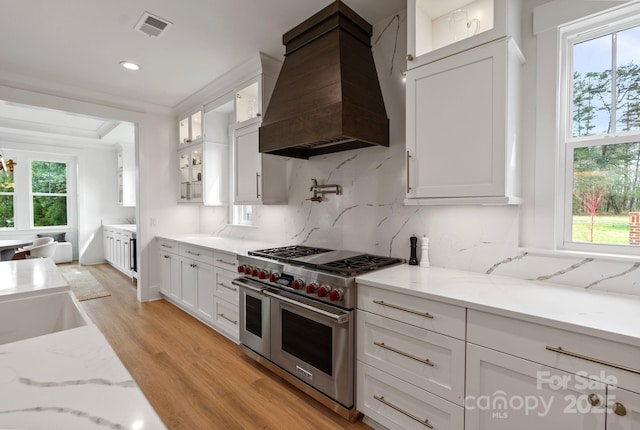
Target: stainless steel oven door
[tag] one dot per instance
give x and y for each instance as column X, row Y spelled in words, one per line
column 314, row 342
column 255, row 330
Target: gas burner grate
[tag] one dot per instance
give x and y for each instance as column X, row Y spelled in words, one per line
column 287, row 253
column 359, row 264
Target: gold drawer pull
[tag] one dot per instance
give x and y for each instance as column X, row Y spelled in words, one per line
column 228, row 319
column 389, row 305
column 166, row 246
column 225, row 262
column 220, row 284
column 559, row 350
column 193, row 253
column 397, row 351
column 413, row 417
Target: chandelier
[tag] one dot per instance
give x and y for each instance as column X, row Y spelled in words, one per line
column 6, row 165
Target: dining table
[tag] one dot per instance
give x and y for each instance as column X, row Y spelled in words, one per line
column 8, row 247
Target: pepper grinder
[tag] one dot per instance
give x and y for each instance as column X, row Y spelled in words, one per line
column 424, row 257
column 413, row 260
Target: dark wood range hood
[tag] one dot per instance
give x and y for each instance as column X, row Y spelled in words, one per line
column 327, row 97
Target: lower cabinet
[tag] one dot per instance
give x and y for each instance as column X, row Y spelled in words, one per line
column 198, row 280
column 117, row 249
column 506, row 392
column 492, row 372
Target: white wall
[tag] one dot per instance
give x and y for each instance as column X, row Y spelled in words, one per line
column 371, row 217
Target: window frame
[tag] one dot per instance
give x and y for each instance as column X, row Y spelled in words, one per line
column 12, row 194
column 51, row 159
column 580, row 31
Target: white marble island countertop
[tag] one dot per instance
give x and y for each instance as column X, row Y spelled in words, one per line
column 23, row 278
column 69, row 380
column 615, row 316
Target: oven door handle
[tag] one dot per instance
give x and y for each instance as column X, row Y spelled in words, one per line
column 242, row 284
column 340, row 319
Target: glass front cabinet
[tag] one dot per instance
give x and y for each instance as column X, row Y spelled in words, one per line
column 439, row 28
column 190, row 128
column 191, row 174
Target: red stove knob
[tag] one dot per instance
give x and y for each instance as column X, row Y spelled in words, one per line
column 274, row 277
column 312, row 287
column 254, row 272
column 335, row 295
column 262, row 274
column 247, row 270
column 323, row 291
column 241, row 268
column 297, row 284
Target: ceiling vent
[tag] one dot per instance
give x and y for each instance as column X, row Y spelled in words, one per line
column 152, row 25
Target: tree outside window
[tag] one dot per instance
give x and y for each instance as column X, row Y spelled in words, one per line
column 49, row 193
column 6, row 200
column 605, row 103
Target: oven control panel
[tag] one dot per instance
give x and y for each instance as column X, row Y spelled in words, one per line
column 295, row 284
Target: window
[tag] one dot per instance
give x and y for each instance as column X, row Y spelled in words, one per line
column 243, row 214
column 49, row 193
column 600, row 137
column 6, row 200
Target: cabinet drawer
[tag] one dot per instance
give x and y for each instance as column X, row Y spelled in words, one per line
column 198, row 254
column 398, row 405
column 429, row 360
column 225, row 260
column 597, row 356
column 168, row 246
column 226, row 318
column 223, row 287
column 428, row 314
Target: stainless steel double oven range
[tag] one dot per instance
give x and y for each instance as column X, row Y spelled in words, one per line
column 297, row 317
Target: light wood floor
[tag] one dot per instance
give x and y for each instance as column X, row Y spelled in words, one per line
column 194, row 377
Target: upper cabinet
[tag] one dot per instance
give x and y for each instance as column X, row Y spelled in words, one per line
column 248, row 102
column 440, row 28
column 462, row 126
column 219, row 140
column 190, row 128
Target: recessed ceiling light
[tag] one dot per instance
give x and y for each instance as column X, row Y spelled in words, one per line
column 129, row 65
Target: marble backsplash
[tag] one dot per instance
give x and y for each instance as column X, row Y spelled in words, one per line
column 370, row 215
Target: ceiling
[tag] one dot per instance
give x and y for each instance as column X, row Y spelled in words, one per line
column 79, row 43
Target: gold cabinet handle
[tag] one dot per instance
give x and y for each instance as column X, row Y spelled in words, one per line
column 257, row 185
column 397, row 351
column 166, row 246
column 235, row 322
column 225, row 262
column 408, row 176
column 594, row 399
column 559, row 350
column 389, row 305
column 424, row 422
column 193, row 253
column 619, row 409
column 220, row 284
column 410, row 57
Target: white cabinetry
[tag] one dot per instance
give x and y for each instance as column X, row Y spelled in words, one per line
column 579, row 377
column 411, row 359
column 198, row 280
column 117, row 249
column 462, row 121
column 190, row 128
column 438, row 29
column 259, row 178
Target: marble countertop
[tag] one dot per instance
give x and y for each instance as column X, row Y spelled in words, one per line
column 22, row 278
column 224, row 244
column 610, row 315
column 126, row 227
column 70, row 380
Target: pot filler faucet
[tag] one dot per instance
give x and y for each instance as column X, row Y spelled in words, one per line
column 318, row 190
